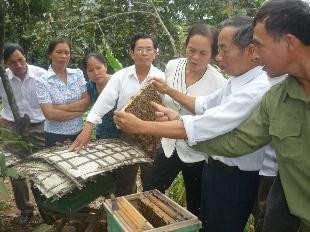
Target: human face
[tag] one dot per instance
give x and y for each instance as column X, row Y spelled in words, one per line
column 144, row 53
column 230, row 57
column 60, row 56
column 17, row 64
column 273, row 54
column 96, row 71
column 198, row 52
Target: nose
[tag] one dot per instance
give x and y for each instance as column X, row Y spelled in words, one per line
column 219, row 57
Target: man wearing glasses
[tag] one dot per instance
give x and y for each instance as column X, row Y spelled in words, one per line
column 123, row 85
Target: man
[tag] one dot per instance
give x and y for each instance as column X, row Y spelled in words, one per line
column 229, row 184
column 22, row 77
column 283, row 45
column 123, row 85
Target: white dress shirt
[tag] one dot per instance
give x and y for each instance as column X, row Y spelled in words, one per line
column 25, row 95
column 175, row 78
column 225, row 110
column 121, row 87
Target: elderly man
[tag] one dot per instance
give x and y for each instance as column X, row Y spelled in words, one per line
column 22, row 77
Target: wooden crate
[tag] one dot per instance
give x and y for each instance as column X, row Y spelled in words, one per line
column 149, row 211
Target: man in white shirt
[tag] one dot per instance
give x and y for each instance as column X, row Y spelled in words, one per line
column 229, row 185
column 123, row 85
column 22, row 78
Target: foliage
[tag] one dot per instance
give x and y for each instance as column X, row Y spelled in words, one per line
column 9, row 138
column 177, row 190
column 97, row 25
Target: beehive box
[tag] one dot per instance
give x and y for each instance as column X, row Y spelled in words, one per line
column 149, row 211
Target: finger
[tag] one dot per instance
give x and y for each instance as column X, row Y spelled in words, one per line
column 159, row 114
column 162, row 119
column 157, row 106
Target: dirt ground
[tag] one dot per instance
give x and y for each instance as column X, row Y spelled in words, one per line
column 9, row 216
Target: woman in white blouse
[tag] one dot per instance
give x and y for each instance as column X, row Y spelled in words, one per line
column 62, row 95
column 194, row 76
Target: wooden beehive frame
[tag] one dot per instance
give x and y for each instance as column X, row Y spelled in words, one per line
column 140, row 106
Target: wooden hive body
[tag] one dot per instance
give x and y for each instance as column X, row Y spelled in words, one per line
column 149, row 211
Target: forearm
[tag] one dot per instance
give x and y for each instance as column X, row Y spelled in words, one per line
column 77, row 106
column 169, row 129
column 52, row 113
column 187, row 101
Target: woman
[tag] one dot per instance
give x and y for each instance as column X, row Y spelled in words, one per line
column 62, row 95
column 96, row 69
column 194, row 76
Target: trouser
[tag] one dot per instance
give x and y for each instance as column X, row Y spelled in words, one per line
column 228, row 195
column 165, row 170
column 35, row 136
column 51, row 139
column 265, row 183
column 277, row 215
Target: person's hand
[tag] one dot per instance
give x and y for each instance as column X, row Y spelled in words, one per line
column 128, row 122
column 160, row 85
column 163, row 113
column 83, row 138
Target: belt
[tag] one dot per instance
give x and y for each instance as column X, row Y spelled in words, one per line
column 219, row 165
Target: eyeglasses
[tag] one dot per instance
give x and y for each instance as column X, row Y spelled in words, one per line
column 145, row 50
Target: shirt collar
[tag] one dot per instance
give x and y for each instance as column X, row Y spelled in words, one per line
column 132, row 71
column 51, row 73
column 294, row 89
column 238, row 81
column 11, row 75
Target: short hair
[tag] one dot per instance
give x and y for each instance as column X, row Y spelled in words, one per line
column 286, row 16
column 244, row 30
column 204, row 30
column 141, row 35
column 10, row 48
column 98, row 57
column 54, row 42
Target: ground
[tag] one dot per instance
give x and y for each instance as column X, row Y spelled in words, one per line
column 9, row 216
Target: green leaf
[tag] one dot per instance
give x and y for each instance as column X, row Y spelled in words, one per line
column 4, row 191
column 114, row 63
column 11, row 172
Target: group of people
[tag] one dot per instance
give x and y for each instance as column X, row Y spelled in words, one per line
column 262, row 109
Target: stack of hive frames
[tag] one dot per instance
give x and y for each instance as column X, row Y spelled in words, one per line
column 57, row 171
column 140, row 106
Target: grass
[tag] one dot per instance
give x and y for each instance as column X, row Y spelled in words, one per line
column 178, row 194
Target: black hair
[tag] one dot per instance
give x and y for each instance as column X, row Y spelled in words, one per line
column 204, row 30
column 244, row 30
column 10, row 48
column 286, row 16
column 98, row 57
column 141, row 35
column 54, row 42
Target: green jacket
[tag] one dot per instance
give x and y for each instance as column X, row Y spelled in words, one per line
column 283, row 118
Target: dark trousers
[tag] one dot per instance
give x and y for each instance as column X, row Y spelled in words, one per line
column 165, row 170
column 265, row 183
column 35, row 136
column 228, row 195
column 51, row 139
column 277, row 215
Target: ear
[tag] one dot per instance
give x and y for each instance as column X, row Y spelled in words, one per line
column 291, row 41
column 251, row 50
column 131, row 54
